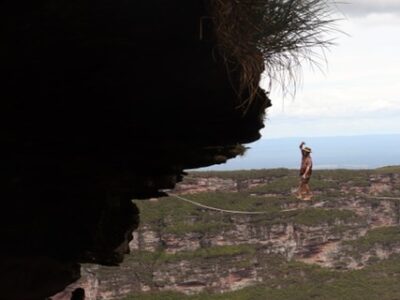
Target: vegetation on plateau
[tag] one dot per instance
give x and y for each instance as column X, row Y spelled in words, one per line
column 334, row 189
column 303, row 282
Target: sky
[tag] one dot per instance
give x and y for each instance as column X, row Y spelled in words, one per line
column 358, row 90
column 357, row 93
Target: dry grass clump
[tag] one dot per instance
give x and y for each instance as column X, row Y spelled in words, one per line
column 276, row 34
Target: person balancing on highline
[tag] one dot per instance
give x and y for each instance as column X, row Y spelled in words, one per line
column 303, row 191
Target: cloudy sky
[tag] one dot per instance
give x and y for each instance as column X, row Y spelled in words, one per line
column 359, row 91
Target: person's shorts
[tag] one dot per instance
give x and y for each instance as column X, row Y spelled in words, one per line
column 304, row 180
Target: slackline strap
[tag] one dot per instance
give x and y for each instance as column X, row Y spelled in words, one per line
column 251, row 212
column 225, row 210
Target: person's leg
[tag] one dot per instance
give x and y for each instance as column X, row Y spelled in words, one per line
column 302, row 189
column 307, row 190
column 299, row 189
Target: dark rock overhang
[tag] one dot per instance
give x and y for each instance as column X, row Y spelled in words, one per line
column 103, row 102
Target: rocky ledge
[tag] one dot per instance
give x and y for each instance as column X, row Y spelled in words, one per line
column 187, row 249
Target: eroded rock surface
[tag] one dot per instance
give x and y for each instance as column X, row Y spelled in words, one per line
column 101, row 103
column 215, row 252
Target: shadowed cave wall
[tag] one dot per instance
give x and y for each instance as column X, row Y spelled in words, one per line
column 103, row 102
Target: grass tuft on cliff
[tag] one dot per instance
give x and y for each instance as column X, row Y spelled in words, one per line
column 280, row 34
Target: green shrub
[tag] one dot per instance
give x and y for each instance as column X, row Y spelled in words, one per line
column 385, row 237
column 299, row 281
column 316, row 216
column 183, row 228
column 387, row 170
column 282, row 185
column 243, row 174
column 160, row 257
column 323, row 184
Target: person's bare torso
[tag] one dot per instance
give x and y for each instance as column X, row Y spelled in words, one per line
column 306, row 166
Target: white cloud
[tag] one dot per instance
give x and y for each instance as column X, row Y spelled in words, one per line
column 359, row 94
column 293, row 127
column 365, row 7
column 381, row 19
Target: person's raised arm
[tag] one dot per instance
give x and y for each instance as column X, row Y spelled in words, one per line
column 301, row 145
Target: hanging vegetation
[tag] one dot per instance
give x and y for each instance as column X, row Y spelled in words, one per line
column 272, row 35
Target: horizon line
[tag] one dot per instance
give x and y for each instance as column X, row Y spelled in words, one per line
column 326, row 136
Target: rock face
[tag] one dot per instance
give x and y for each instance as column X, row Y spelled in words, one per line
column 101, row 103
column 214, row 252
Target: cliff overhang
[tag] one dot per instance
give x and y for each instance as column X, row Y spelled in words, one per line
column 102, row 103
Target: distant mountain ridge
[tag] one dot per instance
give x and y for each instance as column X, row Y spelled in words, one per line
column 349, row 152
